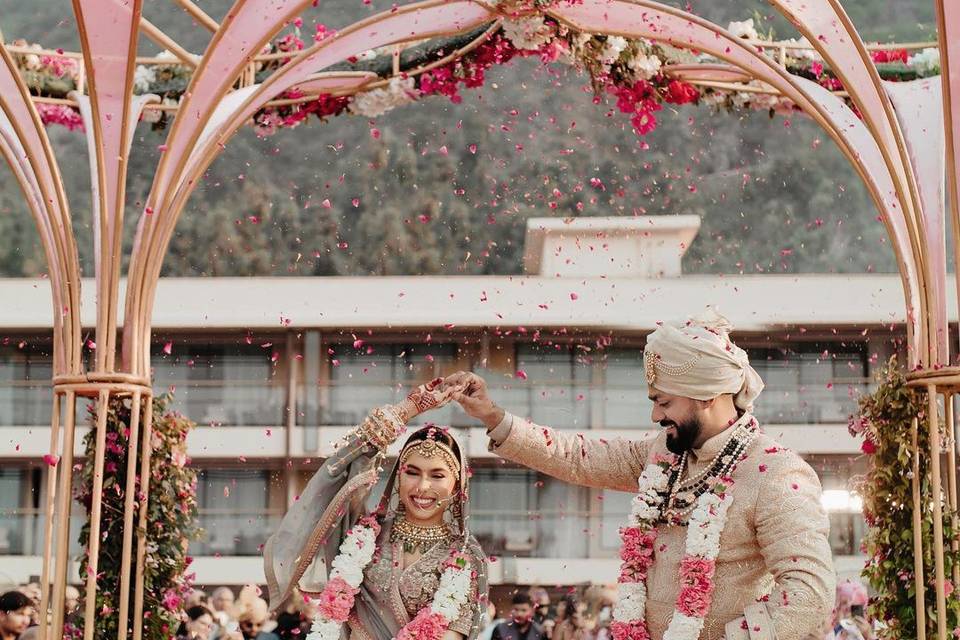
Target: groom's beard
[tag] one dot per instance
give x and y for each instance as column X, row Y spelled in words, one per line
column 686, row 434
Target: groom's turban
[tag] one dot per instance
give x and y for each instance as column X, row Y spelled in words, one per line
column 698, row 360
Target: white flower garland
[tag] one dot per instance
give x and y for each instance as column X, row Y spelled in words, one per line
column 355, row 554
column 704, row 528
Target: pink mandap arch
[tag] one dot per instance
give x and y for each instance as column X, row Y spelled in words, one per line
column 882, row 144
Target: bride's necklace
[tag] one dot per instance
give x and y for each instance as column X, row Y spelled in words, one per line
column 416, row 538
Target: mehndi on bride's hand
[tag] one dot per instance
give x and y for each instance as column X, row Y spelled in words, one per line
column 426, row 397
column 385, row 424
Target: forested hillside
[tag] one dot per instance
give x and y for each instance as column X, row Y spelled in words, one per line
column 446, row 189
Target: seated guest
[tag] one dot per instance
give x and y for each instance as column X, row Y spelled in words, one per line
column 521, row 625
column 16, row 611
column 252, row 615
column 198, row 624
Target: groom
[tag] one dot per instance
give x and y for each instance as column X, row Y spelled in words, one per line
column 774, row 576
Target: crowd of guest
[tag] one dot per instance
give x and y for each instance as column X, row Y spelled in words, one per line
column 533, row 615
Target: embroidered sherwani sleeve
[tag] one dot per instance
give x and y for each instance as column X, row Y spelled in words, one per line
column 792, row 532
column 571, row 457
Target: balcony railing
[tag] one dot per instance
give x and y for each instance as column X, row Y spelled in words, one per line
column 531, row 534
column 561, row 405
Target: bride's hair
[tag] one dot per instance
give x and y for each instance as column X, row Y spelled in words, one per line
column 434, row 433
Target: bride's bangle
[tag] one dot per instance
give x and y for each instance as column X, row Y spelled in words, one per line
column 381, row 427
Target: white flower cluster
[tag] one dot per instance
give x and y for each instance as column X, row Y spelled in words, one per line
column 683, row 627
column 646, row 504
column 805, row 53
column 452, row 592
column 706, row 524
column 612, row 49
column 744, row 29
column 927, row 62
column 643, row 66
column 631, row 602
column 528, row 32
column 143, row 77
column 376, row 102
column 356, row 552
column 323, row 629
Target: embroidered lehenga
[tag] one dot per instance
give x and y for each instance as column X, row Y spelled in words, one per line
column 338, row 495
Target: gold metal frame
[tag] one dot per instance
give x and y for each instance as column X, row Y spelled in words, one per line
column 196, row 138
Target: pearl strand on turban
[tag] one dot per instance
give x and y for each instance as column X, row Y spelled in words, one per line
column 698, row 360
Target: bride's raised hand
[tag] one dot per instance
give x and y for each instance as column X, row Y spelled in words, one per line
column 426, row 397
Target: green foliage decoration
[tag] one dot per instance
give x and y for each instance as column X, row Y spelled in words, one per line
column 884, row 421
column 171, row 519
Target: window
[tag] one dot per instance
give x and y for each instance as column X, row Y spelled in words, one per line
column 518, row 512
column 376, row 374
column 809, row 384
column 232, row 385
column 625, row 401
column 557, row 388
column 839, row 477
column 26, row 394
column 234, row 512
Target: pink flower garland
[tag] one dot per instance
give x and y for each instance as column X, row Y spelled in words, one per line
column 60, row 114
column 427, row 625
column 696, row 592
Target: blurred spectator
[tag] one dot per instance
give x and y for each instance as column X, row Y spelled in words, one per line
column 252, row 615
column 541, row 604
column 16, row 612
column 71, row 599
column 521, row 625
column 295, row 619
column 221, row 605
column 32, row 591
column 198, row 624
column 198, row 597
column 491, row 622
column 850, row 620
column 574, row 624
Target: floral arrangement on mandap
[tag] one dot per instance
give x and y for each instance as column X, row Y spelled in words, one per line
column 634, row 74
column 171, row 520
column 883, row 421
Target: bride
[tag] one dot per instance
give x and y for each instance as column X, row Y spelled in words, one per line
column 407, row 570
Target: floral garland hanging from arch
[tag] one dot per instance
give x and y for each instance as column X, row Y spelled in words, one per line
column 635, row 74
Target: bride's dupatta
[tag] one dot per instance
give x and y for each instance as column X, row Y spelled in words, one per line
column 330, row 504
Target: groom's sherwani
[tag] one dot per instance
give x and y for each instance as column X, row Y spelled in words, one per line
column 774, row 576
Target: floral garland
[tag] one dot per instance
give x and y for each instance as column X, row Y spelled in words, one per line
column 633, row 72
column 697, row 567
column 356, row 552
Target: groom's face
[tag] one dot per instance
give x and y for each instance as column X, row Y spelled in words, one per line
column 679, row 416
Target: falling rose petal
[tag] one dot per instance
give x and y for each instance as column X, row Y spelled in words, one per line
column 521, row 374
column 226, row 491
column 91, row 344
column 355, row 202
column 326, row 203
column 168, row 348
column 375, row 133
column 574, row 296
column 51, row 460
column 443, row 150
column 472, row 148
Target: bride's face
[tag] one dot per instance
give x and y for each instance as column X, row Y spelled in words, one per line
column 426, row 485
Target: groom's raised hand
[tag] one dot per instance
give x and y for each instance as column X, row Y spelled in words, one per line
column 474, row 399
